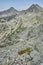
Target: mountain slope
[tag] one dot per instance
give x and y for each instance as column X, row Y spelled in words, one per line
column 21, row 38
column 11, row 11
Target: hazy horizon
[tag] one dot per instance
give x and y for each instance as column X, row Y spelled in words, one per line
column 18, row 4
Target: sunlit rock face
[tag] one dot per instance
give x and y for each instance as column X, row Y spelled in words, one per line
column 21, row 36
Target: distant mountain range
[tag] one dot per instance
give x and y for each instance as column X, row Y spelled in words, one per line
column 12, row 11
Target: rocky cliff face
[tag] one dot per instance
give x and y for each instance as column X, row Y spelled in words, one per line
column 21, row 38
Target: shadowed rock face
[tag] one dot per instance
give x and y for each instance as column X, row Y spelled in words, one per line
column 21, row 37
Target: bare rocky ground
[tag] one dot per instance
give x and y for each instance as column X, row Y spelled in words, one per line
column 21, row 39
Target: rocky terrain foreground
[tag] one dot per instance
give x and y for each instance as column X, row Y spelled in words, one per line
column 21, row 36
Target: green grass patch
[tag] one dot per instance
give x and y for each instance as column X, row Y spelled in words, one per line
column 24, row 51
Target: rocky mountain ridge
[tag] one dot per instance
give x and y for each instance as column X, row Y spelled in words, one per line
column 12, row 11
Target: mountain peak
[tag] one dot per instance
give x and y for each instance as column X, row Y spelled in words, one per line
column 34, row 8
column 9, row 12
column 12, row 8
column 35, row 5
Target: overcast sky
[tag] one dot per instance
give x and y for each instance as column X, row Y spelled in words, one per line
column 18, row 4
